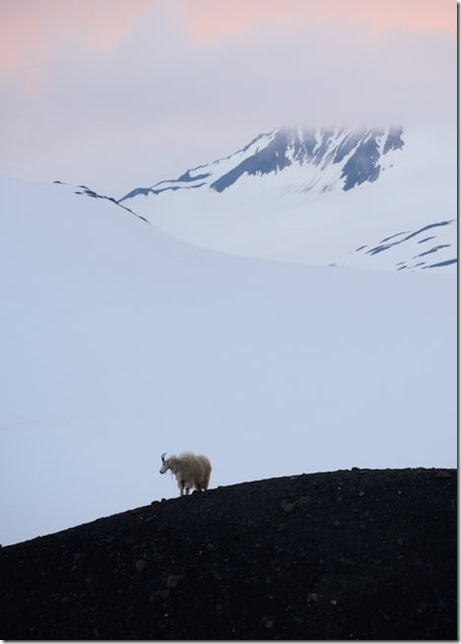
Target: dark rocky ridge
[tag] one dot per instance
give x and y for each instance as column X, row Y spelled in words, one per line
column 293, row 145
column 363, row 165
column 359, row 554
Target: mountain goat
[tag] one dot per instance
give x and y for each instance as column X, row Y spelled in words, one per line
column 190, row 470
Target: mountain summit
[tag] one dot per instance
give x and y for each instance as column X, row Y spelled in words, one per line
column 356, row 155
column 363, row 197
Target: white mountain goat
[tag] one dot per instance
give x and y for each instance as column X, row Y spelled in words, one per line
column 190, row 470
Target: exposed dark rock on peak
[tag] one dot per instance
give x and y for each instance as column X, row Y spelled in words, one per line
column 359, row 554
column 394, row 139
column 359, row 148
column 270, row 159
column 363, row 164
column 302, row 146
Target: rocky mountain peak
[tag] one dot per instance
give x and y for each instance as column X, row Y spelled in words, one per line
column 356, row 154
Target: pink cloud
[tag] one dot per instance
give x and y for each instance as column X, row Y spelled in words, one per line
column 33, row 30
column 208, row 20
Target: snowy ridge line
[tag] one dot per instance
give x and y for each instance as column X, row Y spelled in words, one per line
column 314, row 194
column 427, row 246
column 356, row 152
column 84, row 190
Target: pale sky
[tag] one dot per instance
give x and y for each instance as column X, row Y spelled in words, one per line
column 118, row 94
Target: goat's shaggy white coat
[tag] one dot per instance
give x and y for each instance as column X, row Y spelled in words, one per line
column 191, row 471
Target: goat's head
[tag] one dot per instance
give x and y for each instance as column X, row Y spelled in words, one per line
column 165, row 464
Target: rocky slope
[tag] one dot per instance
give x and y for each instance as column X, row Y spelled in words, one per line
column 356, row 155
column 359, row 554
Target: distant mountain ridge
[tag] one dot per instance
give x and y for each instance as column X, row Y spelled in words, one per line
column 358, row 154
column 344, row 196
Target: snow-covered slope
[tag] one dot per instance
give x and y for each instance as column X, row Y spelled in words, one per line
column 320, row 196
column 120, row 343
column 329, row 157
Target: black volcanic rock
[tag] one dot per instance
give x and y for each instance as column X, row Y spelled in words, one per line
column 360, row 554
